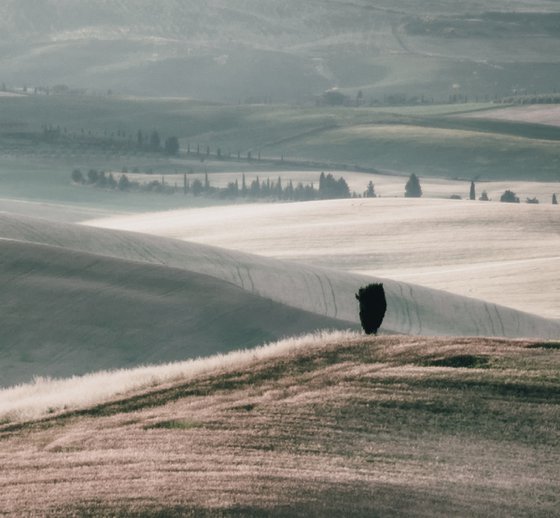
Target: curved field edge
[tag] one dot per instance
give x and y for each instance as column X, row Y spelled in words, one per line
column 326, row 424
column 68, row 313
column 411, row 309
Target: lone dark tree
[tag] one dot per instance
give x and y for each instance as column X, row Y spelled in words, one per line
column 412, row 188
column 484, row 196
column 472, row 194
column 372, row 307
column 554, row 199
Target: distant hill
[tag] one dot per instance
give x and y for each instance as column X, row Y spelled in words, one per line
column 77, row 299
column 238, row 50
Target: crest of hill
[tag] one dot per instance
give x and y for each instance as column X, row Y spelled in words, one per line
column 328, row 293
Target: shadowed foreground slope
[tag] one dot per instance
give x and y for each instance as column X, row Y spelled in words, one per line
column 345, row 425
column 65, row 312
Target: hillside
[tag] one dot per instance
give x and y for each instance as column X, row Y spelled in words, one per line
column 72, row 291
column 253, row 49
column 340, row 425
column 66, row 312
column 101, row 132
column 499, row 252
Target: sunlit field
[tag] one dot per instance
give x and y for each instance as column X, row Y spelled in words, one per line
column 340, row 424
column 537, row 114
column 504, row 253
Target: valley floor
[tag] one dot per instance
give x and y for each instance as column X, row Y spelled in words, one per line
column 346, row 425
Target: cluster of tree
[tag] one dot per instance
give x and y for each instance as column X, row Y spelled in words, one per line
column 553, row 98
column 104, row 180
column 510, row 197
column 205, row 152
column 334, row 97
column 118, row 140
column 414, row 190
column 329, row 187
column 153, row 142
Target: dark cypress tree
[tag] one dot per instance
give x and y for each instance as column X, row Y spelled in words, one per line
column 472, row 195
column 412, row 188
column 370, row 191
column 373, row 306
column 289, row 191
column 255, row 188
column 554, row 199
column 278, row 188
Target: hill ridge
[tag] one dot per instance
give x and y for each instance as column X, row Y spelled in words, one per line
column 412, row 309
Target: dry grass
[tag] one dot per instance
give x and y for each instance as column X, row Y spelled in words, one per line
column 47, row 396
column 342, row 425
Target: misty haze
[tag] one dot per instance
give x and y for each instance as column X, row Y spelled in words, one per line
column 279, row 258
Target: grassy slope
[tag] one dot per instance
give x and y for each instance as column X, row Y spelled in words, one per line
column 352, row 426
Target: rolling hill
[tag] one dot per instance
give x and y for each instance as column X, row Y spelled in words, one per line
column 66, row 312
column 499, row 252
column 254, row 49
column 122, row 292
column 330, row 425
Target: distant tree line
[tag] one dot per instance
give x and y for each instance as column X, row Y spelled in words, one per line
column 117, row 141
column 414, row 190
column 328, row 188
column 550, row 98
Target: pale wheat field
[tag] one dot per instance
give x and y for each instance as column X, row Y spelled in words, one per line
column 537, row 113
column 503, row 253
